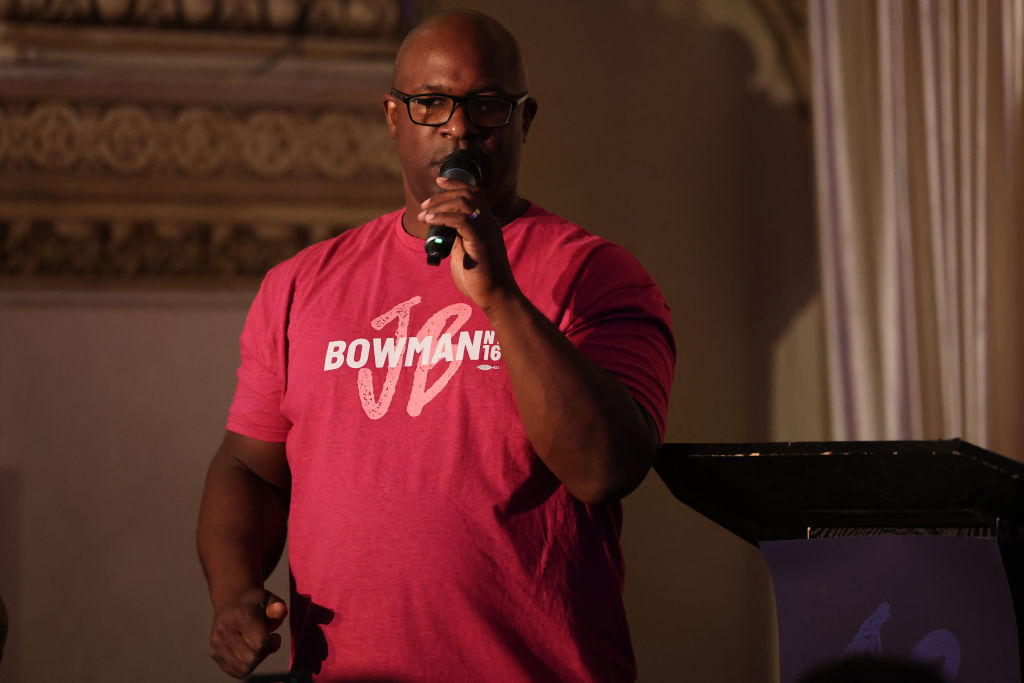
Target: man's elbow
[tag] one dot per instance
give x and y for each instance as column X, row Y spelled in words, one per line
column 619, row 477
column 614, row 460
column 607, row 491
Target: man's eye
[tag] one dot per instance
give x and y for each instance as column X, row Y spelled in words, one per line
column 486, row 105
column 431, row 102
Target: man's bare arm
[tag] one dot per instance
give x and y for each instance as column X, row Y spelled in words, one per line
column 582, row 421
column 243, row 521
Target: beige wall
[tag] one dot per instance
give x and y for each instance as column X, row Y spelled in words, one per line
column 648, row 133
column 110, row 405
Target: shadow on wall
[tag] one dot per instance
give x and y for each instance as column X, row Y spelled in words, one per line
column 775, row 187
column 649, row 133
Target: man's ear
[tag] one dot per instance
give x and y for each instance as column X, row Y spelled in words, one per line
column 390, row 112
column 529, row 111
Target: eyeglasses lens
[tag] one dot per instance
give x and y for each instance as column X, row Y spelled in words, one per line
column 430, row 110
column 489, row 111
column 434, row 110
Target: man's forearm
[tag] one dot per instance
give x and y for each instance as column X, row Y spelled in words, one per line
column 583, row 423
column 242, row 528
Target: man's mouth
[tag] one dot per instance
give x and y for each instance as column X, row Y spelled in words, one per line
column 437, row 161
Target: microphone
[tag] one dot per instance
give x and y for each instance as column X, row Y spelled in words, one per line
column 460, row 165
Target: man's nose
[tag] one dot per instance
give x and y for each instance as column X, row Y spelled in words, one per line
column 459, row 126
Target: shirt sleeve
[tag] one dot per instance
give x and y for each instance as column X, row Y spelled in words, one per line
column 262, row 376
column 619, row 319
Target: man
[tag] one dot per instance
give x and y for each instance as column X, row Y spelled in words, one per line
column 446, row 445
column 3, row 627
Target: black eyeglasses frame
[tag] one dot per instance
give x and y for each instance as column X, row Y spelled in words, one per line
column 513, row 100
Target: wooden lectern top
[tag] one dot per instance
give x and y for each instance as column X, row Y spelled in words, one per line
column 778, row 491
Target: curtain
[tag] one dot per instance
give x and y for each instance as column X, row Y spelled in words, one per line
column 917, row 123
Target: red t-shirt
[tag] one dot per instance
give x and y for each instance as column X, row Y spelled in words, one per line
column 427, row 541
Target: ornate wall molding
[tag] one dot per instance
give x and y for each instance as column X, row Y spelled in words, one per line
column 777, row 33
column 345, row 18
column 132, row 139
column 157, row 250
column 189, row 141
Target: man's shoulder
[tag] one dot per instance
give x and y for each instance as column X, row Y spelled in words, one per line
column 542, row 227
column 546, row 230
column 312, row 258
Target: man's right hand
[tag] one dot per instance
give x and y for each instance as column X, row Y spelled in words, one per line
column 244, row 631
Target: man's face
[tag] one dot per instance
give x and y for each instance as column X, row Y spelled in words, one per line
column 453, row 63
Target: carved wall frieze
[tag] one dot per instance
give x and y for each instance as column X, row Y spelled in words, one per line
column 189, row 141
column 776, row 33
column 380, row 19
column 159, row 249
column 195, row 142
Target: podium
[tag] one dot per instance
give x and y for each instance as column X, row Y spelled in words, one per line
column 908, row 549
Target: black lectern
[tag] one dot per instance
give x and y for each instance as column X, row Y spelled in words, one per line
column 911, row 549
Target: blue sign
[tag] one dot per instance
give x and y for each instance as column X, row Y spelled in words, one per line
column 938, row 600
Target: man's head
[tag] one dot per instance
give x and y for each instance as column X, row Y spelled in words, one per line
column 463, row 54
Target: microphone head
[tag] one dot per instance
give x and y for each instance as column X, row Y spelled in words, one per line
column 461, row 165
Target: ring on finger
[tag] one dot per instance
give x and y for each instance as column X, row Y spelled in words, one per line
column 476, row 212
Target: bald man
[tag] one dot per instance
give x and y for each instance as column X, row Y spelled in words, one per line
column 445, row 447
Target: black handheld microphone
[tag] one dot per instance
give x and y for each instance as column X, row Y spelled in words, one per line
column 460, row 165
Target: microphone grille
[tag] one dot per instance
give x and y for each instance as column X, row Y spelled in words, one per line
column 459, row 163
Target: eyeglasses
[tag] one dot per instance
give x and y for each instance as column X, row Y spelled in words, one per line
column 484, row 111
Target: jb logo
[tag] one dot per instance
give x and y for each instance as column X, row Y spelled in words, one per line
column 940, row 644
column 441, row 338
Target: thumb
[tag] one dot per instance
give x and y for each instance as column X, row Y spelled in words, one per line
column 275, row 609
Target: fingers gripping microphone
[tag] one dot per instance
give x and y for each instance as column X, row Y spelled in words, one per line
column 460, row 165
